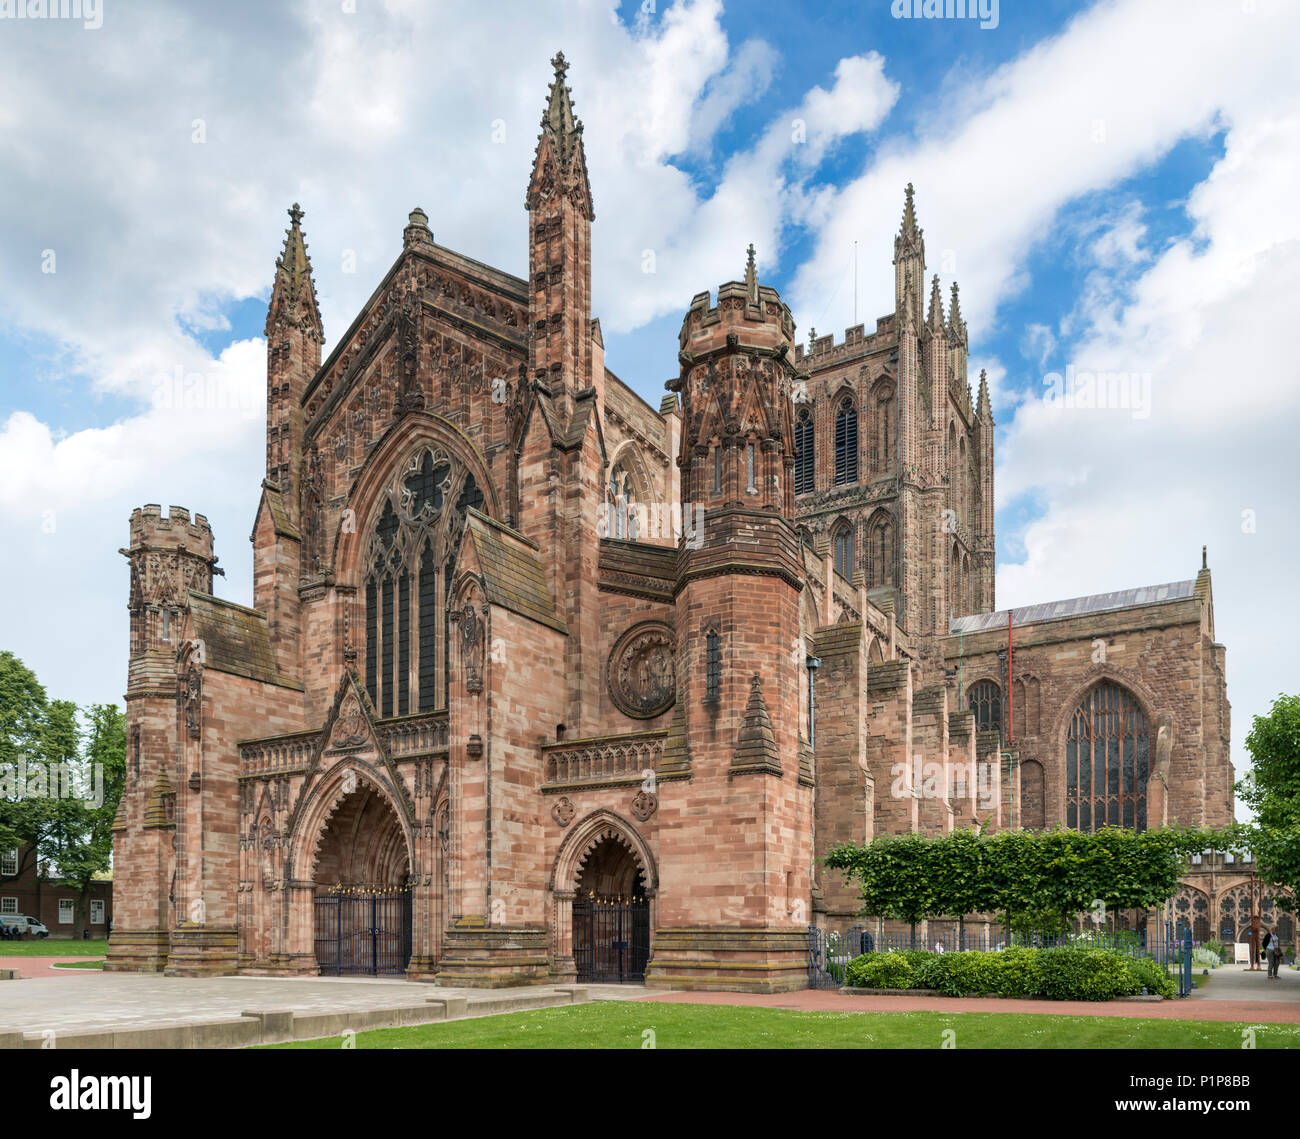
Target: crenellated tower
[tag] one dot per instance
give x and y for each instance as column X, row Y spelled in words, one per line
column 170, row 556
column 738, row 586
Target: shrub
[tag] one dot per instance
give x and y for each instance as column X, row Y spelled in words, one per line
column 1070, row 974
column 879, row 971
column 1148, row 975
column 956, row 974
column 1205, row 958
column 1014, row 972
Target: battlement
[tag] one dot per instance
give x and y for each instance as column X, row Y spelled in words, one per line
column 150, row 527
column 754, row 314
column 857, row 342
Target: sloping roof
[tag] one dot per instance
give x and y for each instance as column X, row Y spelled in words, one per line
column 1075, row 606
column 235, row 640
column 512, row 571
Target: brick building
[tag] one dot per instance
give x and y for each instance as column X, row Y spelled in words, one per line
column 26, row 887
column 527, row 688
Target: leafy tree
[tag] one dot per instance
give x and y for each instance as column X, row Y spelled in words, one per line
column 1040, row 881
column 1272, row 791
column 85, row 838
column 55, row 805
column 23, row 712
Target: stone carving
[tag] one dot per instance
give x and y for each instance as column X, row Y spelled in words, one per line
column 642, row 674
column 350, row 727
column 563, row 811
column 194, row 703
column 471, row 632
column 644, row 805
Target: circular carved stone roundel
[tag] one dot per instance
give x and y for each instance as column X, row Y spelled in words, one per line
column 642, row 670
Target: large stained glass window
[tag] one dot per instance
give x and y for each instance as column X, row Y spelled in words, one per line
column 1106, row 762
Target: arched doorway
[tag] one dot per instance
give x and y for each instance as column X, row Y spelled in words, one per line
column 362, row 903
column 611, row 916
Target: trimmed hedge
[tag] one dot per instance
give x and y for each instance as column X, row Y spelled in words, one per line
column 879, row 971
column 1062, row 974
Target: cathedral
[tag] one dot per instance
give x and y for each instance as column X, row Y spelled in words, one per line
column 543, row 683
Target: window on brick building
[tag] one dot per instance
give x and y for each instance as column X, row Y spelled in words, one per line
column 8, row 905
column 985, row 700
column 9, row 862
column 846, row 442
column 712, row 667
column 1106, row 762
column 717, row 469
column 804, row 452
column 67, row 911
column 749, row 468
column 424, row 510
column 96, row 911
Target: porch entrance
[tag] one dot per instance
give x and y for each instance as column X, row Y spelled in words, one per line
column 362, row 907
column 611, row 917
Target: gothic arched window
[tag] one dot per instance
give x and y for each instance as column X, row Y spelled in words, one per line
column 843, row 545
column 622, row 497
column 985, row 700
column 880, row 550
column 1106, row 762
column 415, row 541
column 803, row 452
column 846, row 442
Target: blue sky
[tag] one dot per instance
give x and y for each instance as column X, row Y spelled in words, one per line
column 1113, row 186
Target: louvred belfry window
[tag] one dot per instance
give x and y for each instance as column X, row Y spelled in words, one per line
column 804, row 453
column 846, row 443
column 415, row 542
column 1106, row 762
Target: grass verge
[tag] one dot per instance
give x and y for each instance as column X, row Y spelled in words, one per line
column 625, row 1024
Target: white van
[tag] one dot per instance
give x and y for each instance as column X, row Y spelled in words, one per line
column 25, row 925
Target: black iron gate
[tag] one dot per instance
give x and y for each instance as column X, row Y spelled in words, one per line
column 367, row 933
column 611, row 940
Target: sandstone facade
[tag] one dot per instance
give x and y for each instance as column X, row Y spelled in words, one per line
column 539, row 657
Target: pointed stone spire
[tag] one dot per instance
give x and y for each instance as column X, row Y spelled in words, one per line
column 293, row 295
column 935, row 319
column 1204, row 558
column 983, row 411
column 909, row 228
column 751, row 277
column 756, row 749
column 955, row 322
column 564, row 130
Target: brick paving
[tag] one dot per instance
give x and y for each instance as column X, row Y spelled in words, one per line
column 820, row 1000
column 37, row 968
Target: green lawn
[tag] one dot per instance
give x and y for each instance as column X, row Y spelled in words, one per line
column 97, row 963
column 624, row 1024
column 52, row 947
